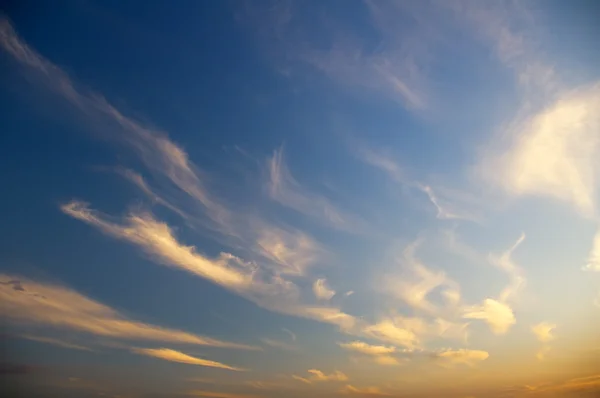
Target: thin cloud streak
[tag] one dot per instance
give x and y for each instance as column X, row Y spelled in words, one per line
column 30, row 302
column 180, row 357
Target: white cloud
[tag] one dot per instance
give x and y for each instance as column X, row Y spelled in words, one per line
column 462, row 357
column 593, row 261
column 498, row 316
column 30, row 302
column 554, row 153
column 543, row 331
column 176, row 356
column 322, row 290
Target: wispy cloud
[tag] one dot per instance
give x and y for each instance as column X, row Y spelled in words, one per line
column 449, row 204
column 56, row 342
column 462, row 357
column 293, row 251
column 322, row 291
column 177, row 356
column 154, row 149
column 515, row 273
column 55, row 306
column 292, row 334
column 284, row 188
column 318, row 376
column 417, row 281
column 279, row 344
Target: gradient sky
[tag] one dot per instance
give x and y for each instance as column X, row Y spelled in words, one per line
column 246, row 199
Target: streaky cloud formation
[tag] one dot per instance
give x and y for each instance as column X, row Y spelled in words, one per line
column 284, row 189
column 176, row 356
column 56, row 342
column 30, row 302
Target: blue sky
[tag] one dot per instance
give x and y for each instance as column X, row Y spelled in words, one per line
column 277, row 198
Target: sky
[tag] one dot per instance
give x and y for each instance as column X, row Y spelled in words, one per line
column 245, row 199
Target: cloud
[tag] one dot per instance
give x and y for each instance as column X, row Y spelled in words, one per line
column 218, row 394
column 450, row 204
column 292, row 334
column 593, row 261
column 56, row 342
column 542, row 352
column 279, row 344
column 462, row 357
column 59, row 307
column 399, row 330
column 176, row 356
column 283, row 188
column 322, row 291
column 367, row 391
column 368, row 349
column 167, row 161
column 294, row 252
column 417, row 282
column 554, row 153
column 318, row 376
column 543, row 331
column 497, row 315
column 517, row 279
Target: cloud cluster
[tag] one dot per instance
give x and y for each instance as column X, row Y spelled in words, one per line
column 462, row 357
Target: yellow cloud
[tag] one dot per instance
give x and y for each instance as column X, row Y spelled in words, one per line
column 497, row 315
column 368, row 391
column 176, row 356
column 541, row 354
column 462, row 356
column 368, row 349
column 31, row 302
column 555, row 152
column 318, row 376
column 398, row 330
column 217, row 394
column 543, row 331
